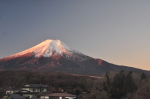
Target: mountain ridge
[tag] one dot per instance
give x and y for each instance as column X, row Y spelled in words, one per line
column 54, row 55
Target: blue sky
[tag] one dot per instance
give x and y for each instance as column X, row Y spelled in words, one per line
column 113, row 30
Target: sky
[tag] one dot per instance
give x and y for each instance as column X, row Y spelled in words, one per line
column 117, row 31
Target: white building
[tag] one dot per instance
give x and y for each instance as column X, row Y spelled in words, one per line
column 31, row 90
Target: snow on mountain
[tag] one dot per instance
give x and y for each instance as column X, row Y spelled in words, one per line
column 48, row 48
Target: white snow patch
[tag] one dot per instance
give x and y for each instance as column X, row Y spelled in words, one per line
column 47, row 48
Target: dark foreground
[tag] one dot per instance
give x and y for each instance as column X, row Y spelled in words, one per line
column 113, row 85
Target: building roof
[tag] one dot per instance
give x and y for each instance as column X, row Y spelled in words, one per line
column 34, row 86
column 43, row 93
column 25, row 92
column 16, row 96
column 61, row 94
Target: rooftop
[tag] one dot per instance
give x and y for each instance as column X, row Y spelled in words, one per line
column 34, row 86
column 61, row 94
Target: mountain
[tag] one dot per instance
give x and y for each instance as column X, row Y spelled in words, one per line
column 54, row 55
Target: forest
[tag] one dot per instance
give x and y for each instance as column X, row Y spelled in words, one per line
column 112, row 85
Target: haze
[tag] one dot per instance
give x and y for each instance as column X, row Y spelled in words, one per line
column 116, row 31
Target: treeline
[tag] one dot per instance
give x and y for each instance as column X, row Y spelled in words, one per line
column 126, row 85
column 113, row 85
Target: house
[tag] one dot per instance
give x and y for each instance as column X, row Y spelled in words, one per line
column 30, row 90
column 58, row 96
column 35, row 88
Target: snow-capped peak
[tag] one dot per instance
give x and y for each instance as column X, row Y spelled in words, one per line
column 47, row 48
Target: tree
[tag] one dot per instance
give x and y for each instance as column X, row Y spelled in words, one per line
column 130, row 85
column 117, row 90
column 107, row 82
column 143, row 76
column 143, row 89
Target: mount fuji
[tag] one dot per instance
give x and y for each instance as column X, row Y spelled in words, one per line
column 54, row 55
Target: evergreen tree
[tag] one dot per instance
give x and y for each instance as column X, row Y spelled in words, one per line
column 129, row 85
column 143, row 76
column 117, row 86
column 107, row 83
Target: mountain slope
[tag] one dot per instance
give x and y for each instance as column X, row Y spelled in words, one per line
column 54, row 55
column 47, row 48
